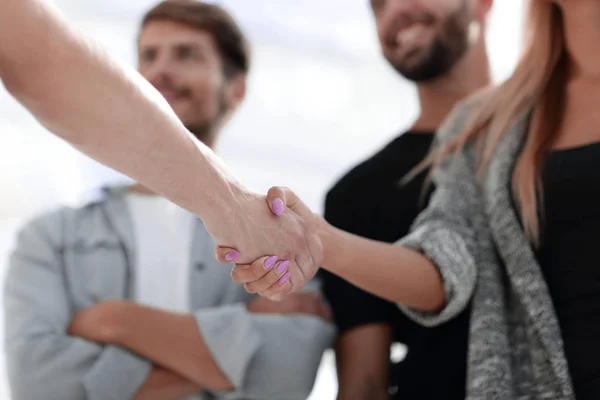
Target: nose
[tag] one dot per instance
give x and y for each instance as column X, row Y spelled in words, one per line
column 159, row 68
column 392, row 12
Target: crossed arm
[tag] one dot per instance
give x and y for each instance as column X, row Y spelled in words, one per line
column 174, row 343
column 117, row 349
column 181, row 359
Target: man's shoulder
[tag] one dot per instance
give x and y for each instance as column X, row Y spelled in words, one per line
column 59, row 223
column 367, row 169
column 51, row 219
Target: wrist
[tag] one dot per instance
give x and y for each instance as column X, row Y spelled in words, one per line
column 230, row 205
column 329, row 236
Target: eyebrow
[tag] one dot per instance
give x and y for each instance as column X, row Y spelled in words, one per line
column 177, row 45
column 189, row 45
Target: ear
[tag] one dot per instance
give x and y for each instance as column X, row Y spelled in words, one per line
column 235, row 91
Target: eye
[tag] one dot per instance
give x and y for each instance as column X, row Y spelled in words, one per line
column 188, row 54
column 377, row 5
column 148, row 55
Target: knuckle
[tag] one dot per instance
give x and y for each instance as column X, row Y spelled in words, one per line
column 254, row 271
column 235, row 276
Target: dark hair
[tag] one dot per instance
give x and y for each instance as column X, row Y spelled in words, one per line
column 229, row 38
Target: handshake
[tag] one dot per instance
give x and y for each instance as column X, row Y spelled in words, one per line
column 277, row 248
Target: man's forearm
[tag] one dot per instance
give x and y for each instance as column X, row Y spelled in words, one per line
column 363, row 362
column 163, row 384
column 107, row 110
column 170, row 340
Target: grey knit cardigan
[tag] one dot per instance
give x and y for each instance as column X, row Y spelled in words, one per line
column 472, row 232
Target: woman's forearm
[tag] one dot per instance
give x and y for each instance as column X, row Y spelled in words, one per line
column 107, row 110
column 396, row 273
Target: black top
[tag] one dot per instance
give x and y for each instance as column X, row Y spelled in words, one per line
column 569, row 258
column 370, row 201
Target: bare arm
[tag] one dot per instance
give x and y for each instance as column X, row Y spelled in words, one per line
column 431, row 273
column 103, row 108
column 398, row 274
column 108, row 111
column 151, row 333
column 363, row 362
column 222, row 349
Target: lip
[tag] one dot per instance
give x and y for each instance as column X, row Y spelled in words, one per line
column 410, row 35
column 404, row 23
column 407, row 25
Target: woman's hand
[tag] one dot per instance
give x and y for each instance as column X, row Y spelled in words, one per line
column 281, row 271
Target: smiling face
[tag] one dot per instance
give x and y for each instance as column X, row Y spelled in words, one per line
column 423, row 39
column 184, row 65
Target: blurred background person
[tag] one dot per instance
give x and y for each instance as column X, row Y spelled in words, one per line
column 440, row 46
column 121, row 298
column 320, row 98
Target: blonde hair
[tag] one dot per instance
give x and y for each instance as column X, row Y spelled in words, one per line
column 537, row 83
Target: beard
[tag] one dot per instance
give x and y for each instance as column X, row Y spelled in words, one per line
column 204, row 132
column 447, row 49
column 207, row 131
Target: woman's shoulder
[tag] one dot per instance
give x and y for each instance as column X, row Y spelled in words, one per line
column 462, row 113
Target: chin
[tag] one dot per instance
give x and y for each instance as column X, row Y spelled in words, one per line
column 184, row 115
column 411, row 62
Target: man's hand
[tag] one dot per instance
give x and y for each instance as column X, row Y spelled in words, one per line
column 297, row 303
column 100, row 323
column 275, row 280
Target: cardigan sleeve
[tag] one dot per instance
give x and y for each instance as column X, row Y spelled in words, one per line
column 447, row 230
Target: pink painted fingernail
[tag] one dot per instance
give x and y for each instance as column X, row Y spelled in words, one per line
column 232, row 256
column 285, row 278
column 269, row 262
column 278, row 207
column 281, row 268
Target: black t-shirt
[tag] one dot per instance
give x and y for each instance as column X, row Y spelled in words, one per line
column 371, row 202
column 569, row 258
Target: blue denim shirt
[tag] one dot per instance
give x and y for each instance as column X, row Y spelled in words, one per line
column 71, row 259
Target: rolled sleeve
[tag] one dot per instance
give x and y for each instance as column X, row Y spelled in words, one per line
column 450, row 253
column 265, row 355
column 449, row 230
column 116, row 375
column 231, row 337
column 43, row 362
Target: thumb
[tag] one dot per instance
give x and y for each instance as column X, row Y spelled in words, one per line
column 280, row 197
column 276, row 200
column 226, row 255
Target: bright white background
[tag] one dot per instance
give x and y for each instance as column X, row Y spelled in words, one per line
column 320, row 99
